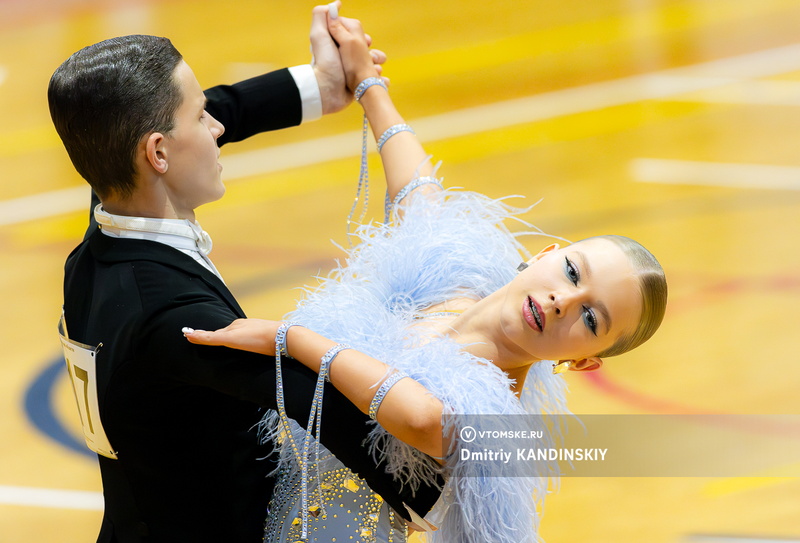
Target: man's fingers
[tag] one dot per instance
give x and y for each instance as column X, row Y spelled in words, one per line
column 319, row 27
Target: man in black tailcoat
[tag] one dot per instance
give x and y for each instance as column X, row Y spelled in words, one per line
column 182, row 462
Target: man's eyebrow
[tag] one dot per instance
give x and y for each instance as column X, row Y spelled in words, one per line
column 601, row 307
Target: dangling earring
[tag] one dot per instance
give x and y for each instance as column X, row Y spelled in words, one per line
column 522, row 266
column 562, row 366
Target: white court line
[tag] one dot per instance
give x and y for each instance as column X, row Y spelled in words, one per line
column 765, row 92
column 46, row 497
column 715, row 174
column 656, row 85
column 734, row 539
column 45, row 204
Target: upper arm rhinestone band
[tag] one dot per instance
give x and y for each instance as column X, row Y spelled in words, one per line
column 418, row 182
column 382, row 391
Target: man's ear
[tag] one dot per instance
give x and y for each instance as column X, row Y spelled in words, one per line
column 540, row 254
column 592, row 363
column 156, row 153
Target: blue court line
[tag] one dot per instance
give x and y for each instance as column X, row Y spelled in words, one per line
column 41, row 413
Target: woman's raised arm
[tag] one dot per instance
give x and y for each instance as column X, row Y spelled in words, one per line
column 402, row 155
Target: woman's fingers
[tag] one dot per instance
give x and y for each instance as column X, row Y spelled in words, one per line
column 255, row 335
column 378, row 56
column 217, row 337
column 337, row 30
column 353, row 26
column 200, row 337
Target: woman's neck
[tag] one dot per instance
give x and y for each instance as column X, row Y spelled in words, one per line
column 479, row 330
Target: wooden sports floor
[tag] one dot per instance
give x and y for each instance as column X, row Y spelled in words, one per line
column 674, row 122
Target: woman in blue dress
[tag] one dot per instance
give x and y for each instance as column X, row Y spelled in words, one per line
column 432, row 314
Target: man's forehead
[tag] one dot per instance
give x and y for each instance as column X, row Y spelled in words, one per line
column 191, row 91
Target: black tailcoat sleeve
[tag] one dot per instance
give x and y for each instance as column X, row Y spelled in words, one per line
column 267, row 102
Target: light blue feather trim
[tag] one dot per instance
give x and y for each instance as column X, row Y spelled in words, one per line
column 453, row 244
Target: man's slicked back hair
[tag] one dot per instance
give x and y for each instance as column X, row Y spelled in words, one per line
column 105, row 98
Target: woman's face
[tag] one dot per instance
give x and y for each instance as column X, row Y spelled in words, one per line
column 572, row 303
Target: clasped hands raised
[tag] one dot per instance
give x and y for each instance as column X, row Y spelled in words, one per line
column 342, row 57
column 342, row 60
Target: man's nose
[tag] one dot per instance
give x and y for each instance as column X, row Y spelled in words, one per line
column 217, row 128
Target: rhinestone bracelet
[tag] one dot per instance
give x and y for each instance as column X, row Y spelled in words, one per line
column 367, row 83
column 382, row 391
column 391, row 131
column 324, row 364
column 280, row 338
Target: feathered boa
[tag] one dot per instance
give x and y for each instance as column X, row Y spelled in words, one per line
column 453, row 244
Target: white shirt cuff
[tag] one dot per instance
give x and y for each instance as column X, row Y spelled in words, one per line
column 309, row 91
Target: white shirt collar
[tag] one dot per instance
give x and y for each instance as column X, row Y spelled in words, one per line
column 178, row 233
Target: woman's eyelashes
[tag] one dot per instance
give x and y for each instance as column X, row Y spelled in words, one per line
column 574, row 275
column 590, row 319
column 572, row 271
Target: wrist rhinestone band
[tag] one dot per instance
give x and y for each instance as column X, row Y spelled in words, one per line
column 367, row 83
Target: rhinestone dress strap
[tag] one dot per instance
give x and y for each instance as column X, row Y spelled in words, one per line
column 280, row 351
column 302, row 460
column 315, row 422
column 363, row 177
